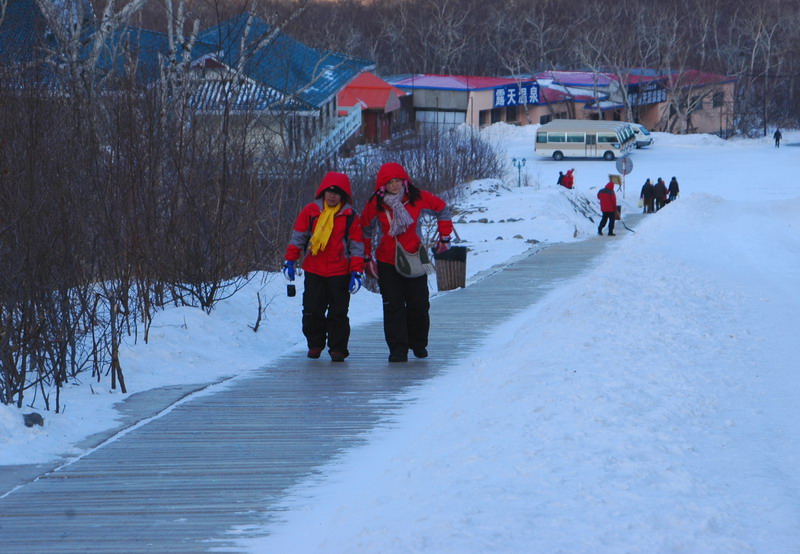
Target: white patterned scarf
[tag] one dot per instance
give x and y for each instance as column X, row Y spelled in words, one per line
column 402, row 219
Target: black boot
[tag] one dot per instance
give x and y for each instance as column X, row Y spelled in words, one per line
column 600, row 231
column 398, row 356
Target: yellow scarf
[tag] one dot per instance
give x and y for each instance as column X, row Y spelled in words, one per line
column 324, row 228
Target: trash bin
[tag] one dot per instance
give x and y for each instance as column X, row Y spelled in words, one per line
column 451, row 268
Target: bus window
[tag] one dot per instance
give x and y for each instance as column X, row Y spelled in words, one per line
column 628, row 133
column 607, row 138
column 541, row 138
column 576, row 137
column 555, row 137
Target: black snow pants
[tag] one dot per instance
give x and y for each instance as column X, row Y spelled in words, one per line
column 326, row 302
column 609, row 217
column 406, row 306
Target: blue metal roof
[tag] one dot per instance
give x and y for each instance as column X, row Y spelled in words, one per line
column 150, row 49
column 280, row 70
column 281, row 62
column 23, row 33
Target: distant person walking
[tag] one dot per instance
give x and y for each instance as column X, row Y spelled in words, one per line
column 777, row 136
column 674, row 189
column 608, row 205
column 560, row 178
column 647, row 195
column 660, row 190
column 569, row 180
column 328, row 231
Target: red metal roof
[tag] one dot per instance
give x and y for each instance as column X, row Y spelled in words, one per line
column 696, row 78
column 372, row 92
column 590, row 78
column 456, row 82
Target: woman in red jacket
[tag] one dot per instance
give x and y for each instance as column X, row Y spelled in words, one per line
column 329, row 230
column 394, row 210
column 569, row 179
column 608, row 205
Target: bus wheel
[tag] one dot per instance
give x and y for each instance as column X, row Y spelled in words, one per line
column 558, row 155
column 608, row 156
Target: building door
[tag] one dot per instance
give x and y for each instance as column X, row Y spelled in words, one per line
column 371, row 126
column 386, row 127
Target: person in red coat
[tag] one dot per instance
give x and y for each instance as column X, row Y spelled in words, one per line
column 328, row 231
column 569, row 179
column 393, row 212
column 608, row 205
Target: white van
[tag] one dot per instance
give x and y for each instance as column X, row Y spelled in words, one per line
column 643, row 136
column 585, row 138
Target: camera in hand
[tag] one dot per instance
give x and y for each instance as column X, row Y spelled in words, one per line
column 290, row 290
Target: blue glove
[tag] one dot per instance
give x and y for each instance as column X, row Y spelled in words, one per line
column 288, row 270
column 355, row 282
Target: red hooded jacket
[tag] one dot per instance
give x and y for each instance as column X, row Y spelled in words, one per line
column 343, row 254
column 608, row 200
column 569, row 179
column 410, row 238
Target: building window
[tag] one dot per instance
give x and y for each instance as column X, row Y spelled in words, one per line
column 483, row 118
column 497, row 115
column 718, row 99
column 441, row 117
column 511, row 114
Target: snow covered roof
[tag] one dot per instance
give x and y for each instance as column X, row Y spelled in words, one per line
column 579, row 78
column 603, row 105
column 551, row 93
column 211, row 96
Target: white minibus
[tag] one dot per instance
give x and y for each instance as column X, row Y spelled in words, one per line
column 643, row 136
column 585, row 138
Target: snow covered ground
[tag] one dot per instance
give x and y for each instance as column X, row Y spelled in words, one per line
column 648, row 405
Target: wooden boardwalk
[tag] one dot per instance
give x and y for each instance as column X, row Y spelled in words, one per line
column 180, row 481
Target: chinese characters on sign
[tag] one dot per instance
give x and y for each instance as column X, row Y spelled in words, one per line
column 517, row 94
column 651, row 94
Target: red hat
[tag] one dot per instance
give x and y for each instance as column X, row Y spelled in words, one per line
column 338, row 182
column 389, row 171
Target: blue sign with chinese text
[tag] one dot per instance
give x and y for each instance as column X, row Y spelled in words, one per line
column 651, row 93
column 516, row 94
